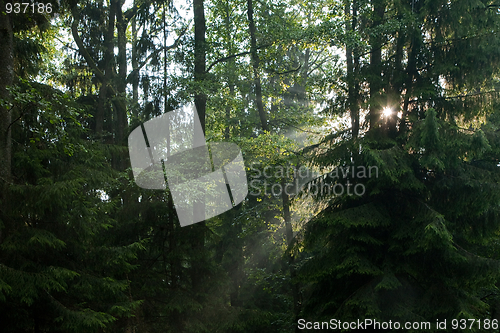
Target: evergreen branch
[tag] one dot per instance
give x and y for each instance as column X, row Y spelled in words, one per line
column 23, row 112
column 451, row 40
column 291, row 125
column 470, row 95
column 490, row 294
column 329, row 137
column 164, row 48
column 490, row 260
column 447, row 98
column 6, row 182
column 224, row 59
column 309, row 148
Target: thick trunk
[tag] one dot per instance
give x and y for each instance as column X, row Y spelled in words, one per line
column 7, row 75
column 394, row 87
column 255, row 65
column 289, row 239
column 172, row 236
column 107, row 69
column 121, row 85
column 410, row 75
column 200, row 101
column 375, row 79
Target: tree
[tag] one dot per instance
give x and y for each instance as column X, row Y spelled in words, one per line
column 408, row 249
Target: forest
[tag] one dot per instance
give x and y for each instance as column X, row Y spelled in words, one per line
column 370, row 136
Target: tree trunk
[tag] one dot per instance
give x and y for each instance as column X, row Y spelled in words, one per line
column 200, row 98
column 255, row 65
column 101, row 107
column 289, row 239
column 394, row 88
column 7, row 75
column 200, row 101
column 410, row 75
column 375, row 77
column 230, row 69
column 352, row 67
column 108, row 69
column 135, row 65
column 121, row 84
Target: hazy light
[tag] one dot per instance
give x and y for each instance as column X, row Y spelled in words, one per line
column 387, row 111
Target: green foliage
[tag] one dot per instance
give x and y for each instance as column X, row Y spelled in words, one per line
column 57, row 266
column 83, row 249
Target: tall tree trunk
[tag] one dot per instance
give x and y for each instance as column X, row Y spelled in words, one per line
column 289, row 239
column 135, row 65
column 200, row 101
column 7, row 75
column 120, row 102
column 395, row 86
column 200, row 98
column 108, row 64
column 255, row 65
column 352, row 66
column 375, row 79
column 101, row 107
column 230, row 69
column 227, row 130
column 410, row 76
column 172, row 242
column 165, row 64
column 108, row 68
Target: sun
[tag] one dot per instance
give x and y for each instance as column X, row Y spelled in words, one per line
column 387, row 111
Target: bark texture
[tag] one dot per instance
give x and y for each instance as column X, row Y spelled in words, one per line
column 7, row 78
column 255, row 65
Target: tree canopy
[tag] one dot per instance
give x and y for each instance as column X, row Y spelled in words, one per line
column 369, row 131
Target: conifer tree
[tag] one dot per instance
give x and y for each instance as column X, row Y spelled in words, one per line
column 412, row 247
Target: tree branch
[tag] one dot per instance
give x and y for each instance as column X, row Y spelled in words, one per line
column 130, row 13
column 234, row 56
column 23, row 112
column 83, row 50
column 278, row 121
column 144, row 63
column 285, row 72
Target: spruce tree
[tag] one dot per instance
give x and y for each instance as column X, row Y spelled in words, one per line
column 413, row 247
